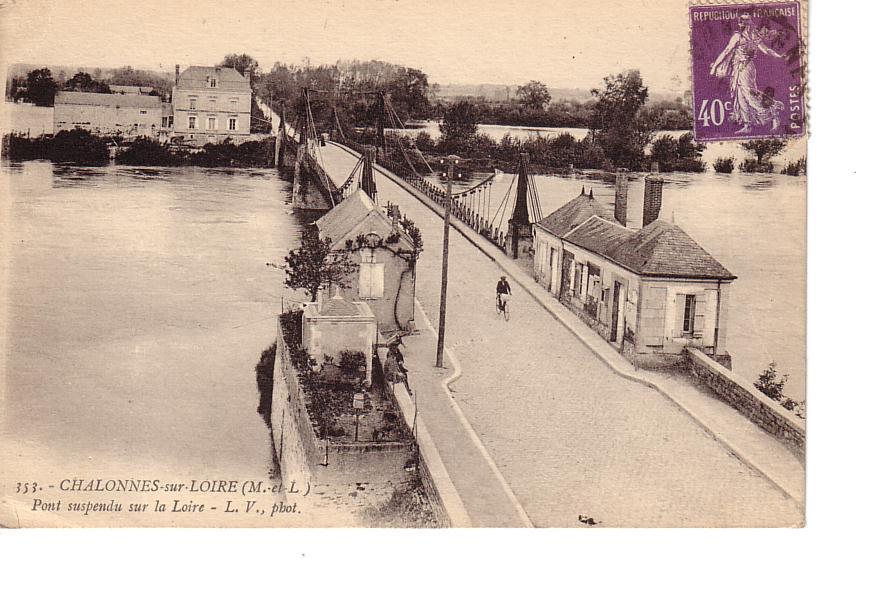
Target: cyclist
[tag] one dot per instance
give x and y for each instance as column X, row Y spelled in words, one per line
column 503, row 293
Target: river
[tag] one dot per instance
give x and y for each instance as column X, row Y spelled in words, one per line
column 138, row 304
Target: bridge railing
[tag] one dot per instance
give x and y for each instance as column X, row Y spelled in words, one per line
column 460, row 210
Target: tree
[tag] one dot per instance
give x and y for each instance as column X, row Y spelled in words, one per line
column 41, row 87
column 459, row 123
column 241, row 62
column 315, row 265
column 83, row 82
column 533, row 94
column 687, row 148
column 764, row 149
column 623, row 132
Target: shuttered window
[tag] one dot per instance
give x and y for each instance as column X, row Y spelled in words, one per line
column 688, row 315
column 371, row 281
column 691, row 311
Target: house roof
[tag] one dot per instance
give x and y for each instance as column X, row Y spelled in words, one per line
column 122, row 89
column 659, row 249
column 196, row 76
column 573, row 213
column 109, row 100
column 336, row 306
column 353, row 212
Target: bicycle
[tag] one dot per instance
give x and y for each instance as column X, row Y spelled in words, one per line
column 502, row 306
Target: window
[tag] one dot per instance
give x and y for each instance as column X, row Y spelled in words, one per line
column 688, row 315
column 234, row 103
column 171, row 120
column 212, row 123
column 192, row 122
column 579, row 279
column 164, row 122
column 371, row 276
column 192, row 103
column 213, row 82
column 142, row 112
column 232, row 124
column 212, row 103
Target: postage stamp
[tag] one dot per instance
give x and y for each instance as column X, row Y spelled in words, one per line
column 747, row 71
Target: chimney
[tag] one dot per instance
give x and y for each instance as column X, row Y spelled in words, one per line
column 177, row 71
column 621, row 196
column 651, row 206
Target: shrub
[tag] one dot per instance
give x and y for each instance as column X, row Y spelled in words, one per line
column 797, row 168
column 352, row 363
column 78, row 146
column 148, row 152
column 724, row 165
column 264, row 381
column 752, row 166
column 770, row 384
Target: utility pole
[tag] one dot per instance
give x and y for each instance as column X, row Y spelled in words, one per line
column 452, row 160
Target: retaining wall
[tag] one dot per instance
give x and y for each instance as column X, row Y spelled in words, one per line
column 747, row 399
column 306, row 459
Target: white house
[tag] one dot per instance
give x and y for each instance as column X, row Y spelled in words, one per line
column 650, row 292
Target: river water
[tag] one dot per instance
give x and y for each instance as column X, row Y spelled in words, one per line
column 138, row 304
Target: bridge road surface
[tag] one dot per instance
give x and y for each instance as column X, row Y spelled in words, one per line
column 570, row 436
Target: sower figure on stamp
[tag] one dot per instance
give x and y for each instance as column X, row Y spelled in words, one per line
column 750, row 106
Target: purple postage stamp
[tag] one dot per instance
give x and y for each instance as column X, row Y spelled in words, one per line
column 747, row 71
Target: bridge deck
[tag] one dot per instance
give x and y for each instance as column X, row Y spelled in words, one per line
column 570, row 436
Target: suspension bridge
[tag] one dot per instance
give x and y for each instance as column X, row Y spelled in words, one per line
column 562, row 438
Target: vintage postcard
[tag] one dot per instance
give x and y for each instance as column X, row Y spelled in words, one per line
column 403, row 264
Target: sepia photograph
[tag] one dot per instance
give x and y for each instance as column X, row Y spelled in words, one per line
column 404, row 264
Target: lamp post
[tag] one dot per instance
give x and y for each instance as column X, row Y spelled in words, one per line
column 452, row 160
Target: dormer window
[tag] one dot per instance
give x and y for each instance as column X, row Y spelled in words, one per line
column 213, row 82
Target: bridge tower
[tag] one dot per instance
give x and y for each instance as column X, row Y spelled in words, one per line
column 520, row 225
column 379, row 122
column 367, row 178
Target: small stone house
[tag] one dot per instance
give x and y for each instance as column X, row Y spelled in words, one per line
column 385, row 256
column 650, row 292
column 128, row 115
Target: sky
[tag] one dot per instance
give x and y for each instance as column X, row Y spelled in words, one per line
column 565, row 44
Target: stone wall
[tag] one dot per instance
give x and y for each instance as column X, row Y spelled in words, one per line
column 305, row 459
column 747, row 399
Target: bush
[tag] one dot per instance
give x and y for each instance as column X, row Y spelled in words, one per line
column 352, row 363
column 769, row 384
column 149, row 152
column 797, row 168
column 264, row 381
column 752, row 166
column 20, row 148
column 78, row 146
column 724, row 165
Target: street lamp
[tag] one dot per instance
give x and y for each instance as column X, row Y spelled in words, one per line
column 452, row 161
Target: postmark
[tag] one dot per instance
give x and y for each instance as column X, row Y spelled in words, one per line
column 748, row 74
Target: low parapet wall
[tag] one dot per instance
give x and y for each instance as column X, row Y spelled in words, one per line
column 740, row 393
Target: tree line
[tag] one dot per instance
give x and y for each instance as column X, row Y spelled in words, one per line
column 40, row 85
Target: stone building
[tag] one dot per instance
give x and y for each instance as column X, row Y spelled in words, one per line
column 211, row 104
column 385, row 256
column 129, row 115
column 650, row 292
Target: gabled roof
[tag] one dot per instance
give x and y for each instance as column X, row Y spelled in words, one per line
column 659, row 249
column 109, row 100
column 196, row 76
column 357, row 211
column 572, row 214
